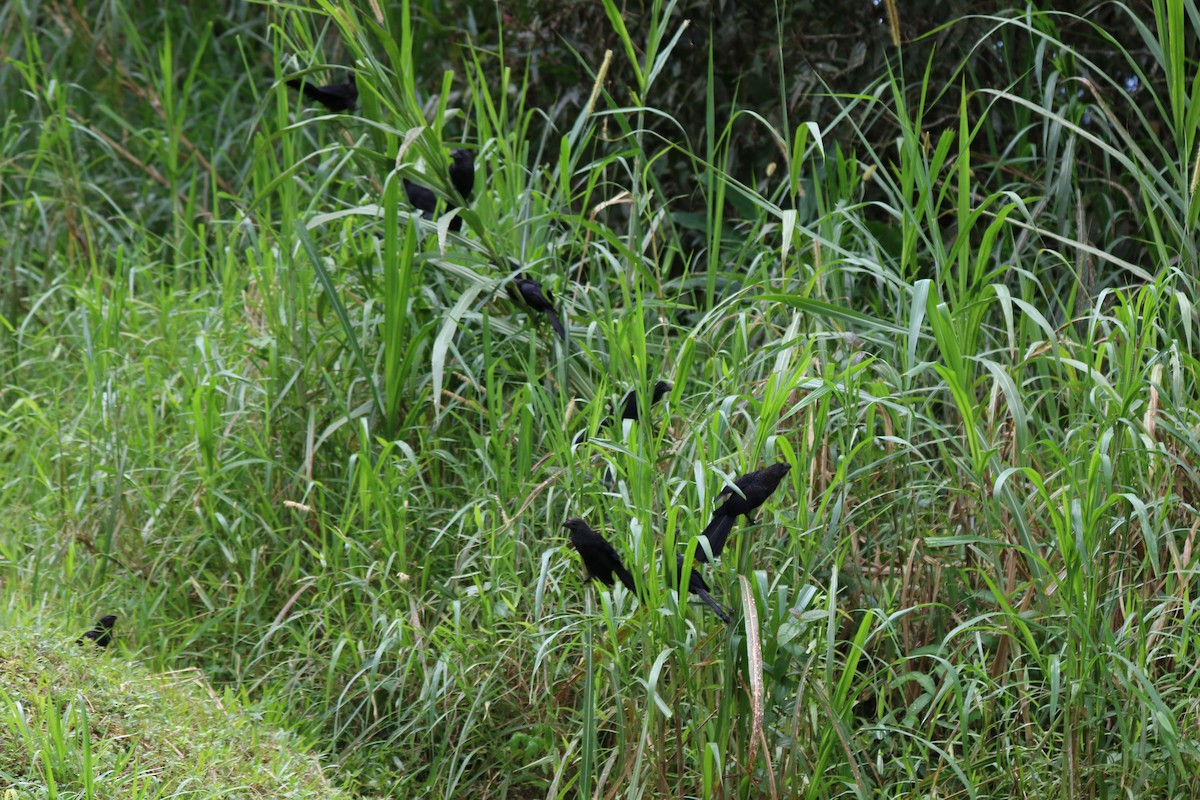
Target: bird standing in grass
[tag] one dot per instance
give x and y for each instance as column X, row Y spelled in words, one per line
column 600, row 560
column 335, row 96
column 462, row 176
column 755, row 488
column 425, row 201
column 531, row 292
column 421, row 198
column 462, row 172
column 629, row 405
column 102, row 633
column 699, row 587
column 629, row 410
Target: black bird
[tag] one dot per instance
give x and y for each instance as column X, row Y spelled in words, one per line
column 755, row 488
column 335, row 97
column 699, row 587
column 629, row 405
column 462, row 172
column 531, row 293
column 629, row 410
column 102, row 633
column 421, row 198
column 462, row 175
column 600, row 560
column 425, row 201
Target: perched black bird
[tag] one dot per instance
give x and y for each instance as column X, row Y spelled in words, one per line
column 531, row 293
column 462, row 175
column 600, row 560
column 336, row 96
column 755, row 488
column 629, row 410
column 425, row 201
column 102, row 633
column 629, row 405
column 421, row 198
column 699, row 587
column 462, row 172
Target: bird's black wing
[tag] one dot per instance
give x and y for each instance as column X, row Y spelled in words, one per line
column 629, row 407
column 536, row 298
column 602, row 561
column 421, row 198
column 531, row 293
column 717, row 532
column 764, row 484
column 339, row 96
column 753, row 489
column 101, row 634
column 462, row 172
column 335, row 96
column 615, row 566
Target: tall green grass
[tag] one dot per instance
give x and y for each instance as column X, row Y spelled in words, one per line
column 308, row 443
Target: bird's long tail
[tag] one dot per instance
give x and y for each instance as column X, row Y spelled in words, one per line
column 307, row 89
column 713, row 604
column 556, row 323
column 626, row 578
column 718, row 531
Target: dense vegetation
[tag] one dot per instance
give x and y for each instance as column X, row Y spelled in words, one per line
column 309, row 445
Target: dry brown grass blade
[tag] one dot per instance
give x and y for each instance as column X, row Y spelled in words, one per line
column 1000, row 660
column 755, row 662
column 893, row 19
column 1150, row 419
column 1195, row 172
column 600, row 78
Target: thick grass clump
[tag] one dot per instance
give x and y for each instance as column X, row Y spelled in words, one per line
column 310, row 444
column 83, row 722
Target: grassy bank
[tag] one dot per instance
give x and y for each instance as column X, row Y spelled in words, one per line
column 79, row 721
